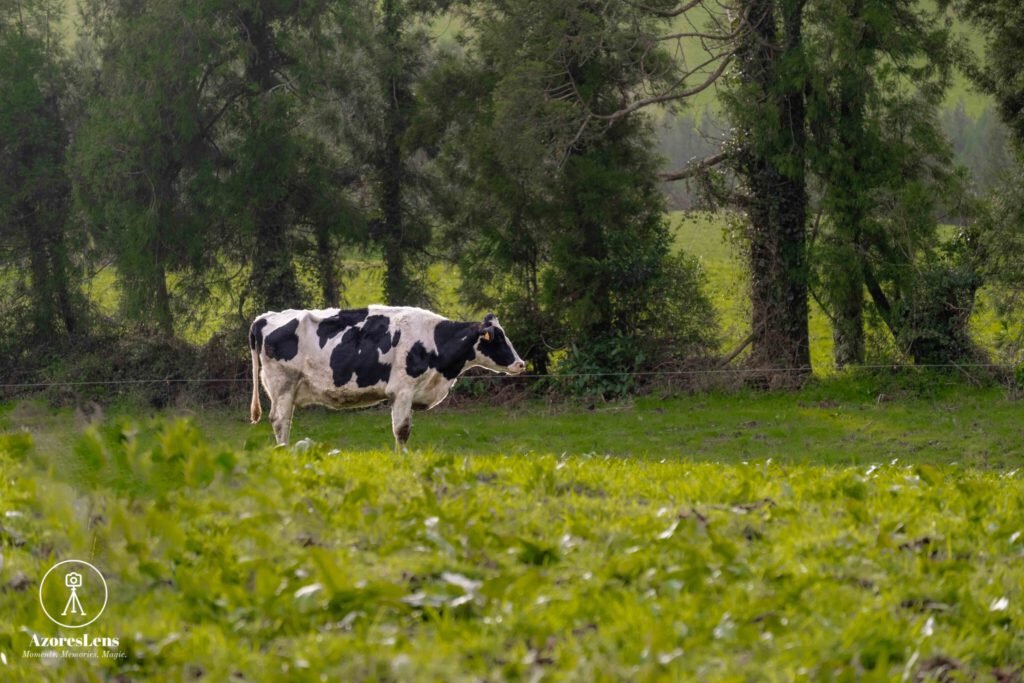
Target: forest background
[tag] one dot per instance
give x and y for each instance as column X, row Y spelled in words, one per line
column 638, row 189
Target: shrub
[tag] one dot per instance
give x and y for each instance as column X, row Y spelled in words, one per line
column 675, row 323
column 936, row 314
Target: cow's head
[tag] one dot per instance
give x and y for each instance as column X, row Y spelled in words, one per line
column 493, row 349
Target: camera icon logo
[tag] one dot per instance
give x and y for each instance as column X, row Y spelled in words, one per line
column 79, row 599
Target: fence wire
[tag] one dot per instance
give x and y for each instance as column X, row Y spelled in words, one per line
column 496, row 376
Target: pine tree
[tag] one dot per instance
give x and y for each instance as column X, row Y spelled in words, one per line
column 34, row 187
column 203, row 152
column 145, row 154
column 870, row 60
column 559, row 219
column 879, row 73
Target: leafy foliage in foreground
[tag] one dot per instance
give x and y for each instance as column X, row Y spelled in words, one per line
column 288, row 564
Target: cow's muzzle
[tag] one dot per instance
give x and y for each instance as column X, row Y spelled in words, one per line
column 517, row 367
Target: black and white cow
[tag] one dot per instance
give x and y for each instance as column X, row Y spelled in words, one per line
column 350, row 359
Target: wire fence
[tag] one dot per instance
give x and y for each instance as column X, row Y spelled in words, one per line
column 550, row 377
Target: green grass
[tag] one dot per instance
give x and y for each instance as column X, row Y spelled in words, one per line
column 705, row 236
column 818, row 536
column 916, row 417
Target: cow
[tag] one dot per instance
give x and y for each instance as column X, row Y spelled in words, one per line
column 354, row 358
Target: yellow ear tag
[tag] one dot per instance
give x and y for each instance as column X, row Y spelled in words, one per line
column 487, row 336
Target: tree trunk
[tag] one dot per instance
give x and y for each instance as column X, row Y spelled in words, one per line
column 390, row 168
column 848, row 325
column 396, row 237
column 774, row 170
column 844, row 276
column 397, row 289
column 156, row 297
column 778, row 266
column 43, row 223
column 847, row 197
column 273, row 279
column 60, row 282
column 329, row 289
column 164, row 317
column 44, row 311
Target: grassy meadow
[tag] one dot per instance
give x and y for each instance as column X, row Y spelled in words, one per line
column 862, row 529
column 867, row 527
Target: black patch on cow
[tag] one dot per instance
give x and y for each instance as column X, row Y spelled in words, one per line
column 256, row 334
column 497, row 349
column 387, row 341
column 359, row 352
column 404, row 430
column 454, row 342
column 283, row 343
column 418, row 360
column 339, row 322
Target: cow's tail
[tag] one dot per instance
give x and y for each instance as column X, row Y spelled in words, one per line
column 255, row 411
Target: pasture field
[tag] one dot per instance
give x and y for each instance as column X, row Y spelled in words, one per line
column 856, row 530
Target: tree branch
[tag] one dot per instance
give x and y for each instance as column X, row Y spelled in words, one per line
column 674, row 12
column 735, row 352
column 878, row 296
column 671, row 94
column 721, row 37
column 696, row 168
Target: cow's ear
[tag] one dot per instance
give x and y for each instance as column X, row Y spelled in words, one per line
column 487, row 332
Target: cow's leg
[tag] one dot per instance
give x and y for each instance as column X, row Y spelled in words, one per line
column 401, row 419
column 281, row 408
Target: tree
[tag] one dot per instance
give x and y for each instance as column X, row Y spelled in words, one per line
column 558, row 218
column 879, row 73
column 288, row 183
column 765, row 101
column 272, row 156
column 202, row 152
column 34, row 187
column 145, row 154
column 1002, row 22
column 1000, row 238
column 401, row 235
column 863, row 79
